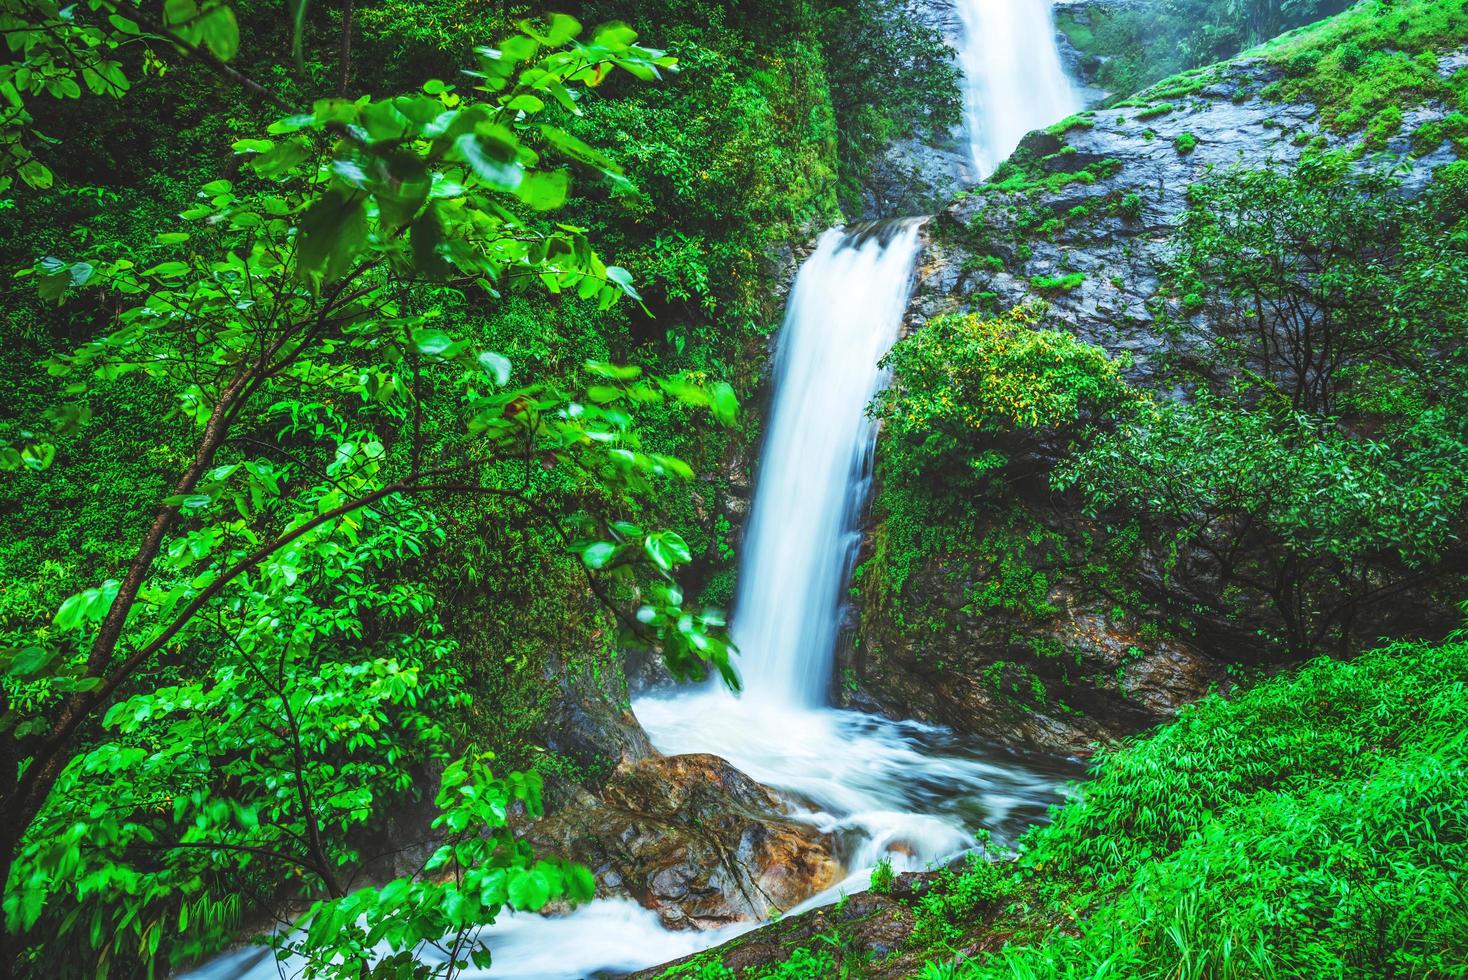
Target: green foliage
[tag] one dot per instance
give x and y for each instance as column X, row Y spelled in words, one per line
column 55, row 53
column 1452, row 128
column 802, row 964
column 294, row 326
column 1290, row 510
column 1360, row 67
column 965, row 375
column 1311, row 826
column 1334, row 468
column 892, row 76
column 1317, row 272
column 1186, row 143
column 975, row 400
column 1135, row 46
column 956, row 897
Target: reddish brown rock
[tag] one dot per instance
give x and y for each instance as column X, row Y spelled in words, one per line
column 692, row 838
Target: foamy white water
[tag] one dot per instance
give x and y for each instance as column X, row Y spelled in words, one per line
column 1013, row 79
column 909, row 793
column 601, row 938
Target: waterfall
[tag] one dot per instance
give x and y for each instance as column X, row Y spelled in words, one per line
column 900, row 791
column 1013, row 80
column 843, row 315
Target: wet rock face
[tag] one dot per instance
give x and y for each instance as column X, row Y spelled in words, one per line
column 692, row 838
column 1087, row 673
column 1064, row 683
column 1136, row 153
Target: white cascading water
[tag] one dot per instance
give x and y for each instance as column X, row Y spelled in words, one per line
column 897, row 790
column 910, row 793
column 1013, row 80
column 843, row 315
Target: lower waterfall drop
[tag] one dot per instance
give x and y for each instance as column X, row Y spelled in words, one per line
column 901, row 791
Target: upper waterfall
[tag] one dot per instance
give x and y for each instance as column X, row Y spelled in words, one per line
column 1013, row 79
column 844, row 314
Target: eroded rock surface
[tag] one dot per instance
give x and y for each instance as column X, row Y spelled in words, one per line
column 866, row 935
column 1132, row 150
column 692, row 838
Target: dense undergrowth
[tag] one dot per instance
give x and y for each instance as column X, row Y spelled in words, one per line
column 1312, row 826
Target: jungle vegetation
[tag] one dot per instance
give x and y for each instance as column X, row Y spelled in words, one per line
column 375, row 373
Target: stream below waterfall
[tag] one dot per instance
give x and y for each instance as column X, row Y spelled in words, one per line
column 913, row 794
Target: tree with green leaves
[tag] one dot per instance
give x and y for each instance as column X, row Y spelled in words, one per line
column 59, row 53
column 1316, row 271
column 1316, row 475
column 257, row 679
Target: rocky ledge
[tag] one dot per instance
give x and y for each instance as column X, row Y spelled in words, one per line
column 865, row 935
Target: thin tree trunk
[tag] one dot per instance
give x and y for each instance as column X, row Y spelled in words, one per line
column 346, row 50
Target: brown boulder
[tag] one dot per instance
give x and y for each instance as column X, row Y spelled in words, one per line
column 692, row 838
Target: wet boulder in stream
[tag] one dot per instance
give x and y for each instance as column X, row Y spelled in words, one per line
column 692, row 838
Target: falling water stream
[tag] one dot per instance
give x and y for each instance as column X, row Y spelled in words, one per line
column 909, row 793
column 1013, row 80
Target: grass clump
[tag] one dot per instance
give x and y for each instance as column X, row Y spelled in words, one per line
column 882, row 877
column 1186, row 143
column 1317, row 825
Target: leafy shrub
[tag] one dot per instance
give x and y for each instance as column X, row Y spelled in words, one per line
column 972, row 374
column 956, row 897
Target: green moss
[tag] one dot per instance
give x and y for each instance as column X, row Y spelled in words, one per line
column 1452, row 128
column 1374, row 57
column 1385, row 125
column 1186, row 143
column 1081, row 120
column 1057, row 284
